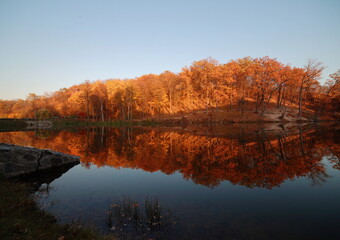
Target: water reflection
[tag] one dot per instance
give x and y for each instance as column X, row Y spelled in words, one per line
column 40, row 180
column 229, row 171
column 251, row 156
column 130, row 219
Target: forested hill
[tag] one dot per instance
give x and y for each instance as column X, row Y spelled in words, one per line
column 247, row 85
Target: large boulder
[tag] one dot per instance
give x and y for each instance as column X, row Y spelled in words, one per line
column 17, row 160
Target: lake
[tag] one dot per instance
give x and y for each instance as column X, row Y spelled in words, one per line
column 199, row 182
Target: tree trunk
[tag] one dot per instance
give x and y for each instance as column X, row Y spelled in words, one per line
column 257, row 102
column 242, row 106
column 300, row 102
column 170, row 101
column 278, row 103
column 128, row 111
column 101, row 109
column 265, row 104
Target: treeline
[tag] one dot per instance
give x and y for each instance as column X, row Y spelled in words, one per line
column 253, row 82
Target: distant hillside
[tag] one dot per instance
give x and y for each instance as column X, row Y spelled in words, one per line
column 246, row 89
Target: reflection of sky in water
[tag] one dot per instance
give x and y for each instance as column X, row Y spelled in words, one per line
column 296, row 207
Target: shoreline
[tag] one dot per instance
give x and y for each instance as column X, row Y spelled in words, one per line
column 21, row 217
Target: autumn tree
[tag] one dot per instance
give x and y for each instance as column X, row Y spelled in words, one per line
column 129, row 100
column 79, row 100
column 203, row 78
column 119, row 103
column 252, row 83
column 312, row 72
column 266, row 77
column 227, row 83
column 170, row 82
column 85, row 95
column 43, row 113
column 112, row 86
column 330, row 93
column 153, row 97
column 243, row 79
column 333, row 86
column 99, row 91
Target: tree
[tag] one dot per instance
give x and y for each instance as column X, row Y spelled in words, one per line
column 266, row 77
column 77, row 104
column 333, row 90
column 119, row 103
column 170, row 82
column 86, row 93
column 59, row 100
column 243, row 79
column 251, row 83
column 112, row 86
column 129, row 99
column 204, row 79
column 283, row 82
column 333, row 84
column 99, row 89
column 227, row 84
column 32, row 100
column 312, row 72
column 43, row 113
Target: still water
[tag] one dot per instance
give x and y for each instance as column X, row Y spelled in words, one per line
column 217, row 182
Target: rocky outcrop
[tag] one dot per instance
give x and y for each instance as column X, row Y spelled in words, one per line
column 17, row 160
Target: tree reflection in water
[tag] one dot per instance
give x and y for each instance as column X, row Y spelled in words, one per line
column 252, row 156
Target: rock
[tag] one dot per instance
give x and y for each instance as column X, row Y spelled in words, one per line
column 5, row 147
column 17, row 160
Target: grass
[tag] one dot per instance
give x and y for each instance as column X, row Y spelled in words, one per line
column 129, row 218
column 20, row 218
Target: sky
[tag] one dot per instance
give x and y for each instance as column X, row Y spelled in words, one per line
column 49, row 45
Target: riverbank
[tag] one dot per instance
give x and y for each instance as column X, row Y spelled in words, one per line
column 21, row 218
column 212, row 116
column 12, row 124
column 201, row 117
column 114, row 123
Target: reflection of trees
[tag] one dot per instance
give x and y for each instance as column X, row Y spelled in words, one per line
column 257, row 159
column 43, row 133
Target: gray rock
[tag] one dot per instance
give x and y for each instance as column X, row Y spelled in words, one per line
column 5, row 147
column 17, row 160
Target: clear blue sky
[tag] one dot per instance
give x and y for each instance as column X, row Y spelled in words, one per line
column 48, row 45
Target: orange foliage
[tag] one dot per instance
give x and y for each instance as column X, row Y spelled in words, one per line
column 251, row 84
